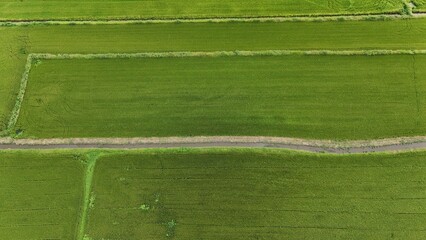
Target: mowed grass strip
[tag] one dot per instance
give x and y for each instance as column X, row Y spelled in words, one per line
column 51, row 9
column 17, row 42
column 40, row 195
column 315, row 97
column 257, row 194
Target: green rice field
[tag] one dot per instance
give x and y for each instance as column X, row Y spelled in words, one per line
column 40, row 195
column 98, row 99
column 91, row 9
column 293, row 96
column 257, row 194
column 333, row 35
column 211, row 194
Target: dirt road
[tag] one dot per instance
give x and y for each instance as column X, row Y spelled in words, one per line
column 337, row 147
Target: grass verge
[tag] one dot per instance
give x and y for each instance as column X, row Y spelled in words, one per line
column 88, row 198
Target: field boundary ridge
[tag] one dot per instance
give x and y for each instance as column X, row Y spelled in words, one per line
column 248, row 53
column 310, row 145
column 88, row 196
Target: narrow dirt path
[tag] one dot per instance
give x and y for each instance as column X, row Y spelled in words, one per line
column 337, row 147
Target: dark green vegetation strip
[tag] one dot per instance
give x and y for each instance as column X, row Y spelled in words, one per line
column 17, row 42
column 107, row 9
column 40, row 195
column 257, row 194
column 366, row 97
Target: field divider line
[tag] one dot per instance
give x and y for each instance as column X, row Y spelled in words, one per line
column 20, row 97
column 178, row 54
column 88, row 179
column 417, row 142
column 356, row 17
column 40, row 56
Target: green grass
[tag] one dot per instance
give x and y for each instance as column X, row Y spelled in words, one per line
column 257, row 194
column 366, row 97
column 12, row 66
column 420, row 5
column 16, row 42
column 40, row 195
column 90, row 9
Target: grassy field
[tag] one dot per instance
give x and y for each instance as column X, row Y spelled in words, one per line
column 257, row 194
column 17, row 42
column 40, row 195
column 91, row 9
column 367, row 97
